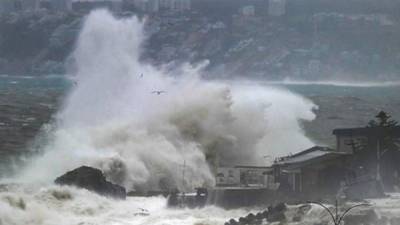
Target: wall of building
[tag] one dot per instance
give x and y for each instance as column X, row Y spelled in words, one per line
column 245, row 177
column 347, row 143
column 228, row 176
column 85, row 6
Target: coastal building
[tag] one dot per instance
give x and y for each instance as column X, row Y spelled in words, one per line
column 276, row 7
column 149, row 6
column 153, row 6
column 56, row 5
column 87, row 5
column 176, row 5
column 375, row 153
column 246, row 176
column 247, row 11
column 349, row 139
column 181, row 5
column 61, row 5
column 315, row 171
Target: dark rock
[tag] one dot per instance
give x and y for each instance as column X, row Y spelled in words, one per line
column 91, row 179
column 233, row 222
column 243, row 221
column 280, row 207
column 259, row 216
column 251, row 217
column 257, row 222
column 265, row 214
column 277, row 213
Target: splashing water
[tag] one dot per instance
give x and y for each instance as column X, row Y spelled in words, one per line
column 114, row 118
column 51, row 205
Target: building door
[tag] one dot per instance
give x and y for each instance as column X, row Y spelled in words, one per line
column 297, row 182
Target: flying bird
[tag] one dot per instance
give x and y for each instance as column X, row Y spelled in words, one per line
column 158, row 92
column 141, row 75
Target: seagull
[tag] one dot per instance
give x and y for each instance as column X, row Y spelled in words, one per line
column 158, row 92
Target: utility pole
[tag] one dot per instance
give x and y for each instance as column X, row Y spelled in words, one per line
column 183, row 173
column 378, row 163
column 379, row 154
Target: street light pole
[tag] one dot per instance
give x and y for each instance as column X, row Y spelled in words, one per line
column 336, row 219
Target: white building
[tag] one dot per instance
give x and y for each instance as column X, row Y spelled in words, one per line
column 61, row 5
column 248, row 10
column 7, row 6
column 57, row 5
column 176, row 5
column 182, row 5
column 276, row 7
column 153, row 5
column 88, row 5
column 150, row 6
column 29, row 4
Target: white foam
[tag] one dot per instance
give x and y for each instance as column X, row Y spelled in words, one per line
column 393, row 83
column 67, row 205
column 112, row 119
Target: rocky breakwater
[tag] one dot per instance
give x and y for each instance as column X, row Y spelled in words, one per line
column 277, row 213
column 283, row 214
column 92, row 179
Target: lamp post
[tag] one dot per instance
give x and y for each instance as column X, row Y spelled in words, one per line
column 336, row 218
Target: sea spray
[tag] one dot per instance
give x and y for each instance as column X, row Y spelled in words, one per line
column 68, row 205
column 141, row 125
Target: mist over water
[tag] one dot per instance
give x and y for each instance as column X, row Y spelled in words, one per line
column 113, row 120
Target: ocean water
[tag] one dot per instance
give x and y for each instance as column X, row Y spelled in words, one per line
column 107, row 115
column 35, row 203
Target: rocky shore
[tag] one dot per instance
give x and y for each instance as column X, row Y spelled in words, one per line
column 92, row 179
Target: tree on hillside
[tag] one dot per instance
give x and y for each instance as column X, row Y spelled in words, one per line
column 387, row 139
column 383, row 120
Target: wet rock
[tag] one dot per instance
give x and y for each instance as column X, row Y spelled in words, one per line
column 264, row 214
column 259, row 216
column 243, row 221
column 233, row 222
column 277, row 213
column 251, row 217
column 273, row 214
column 91, row 179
